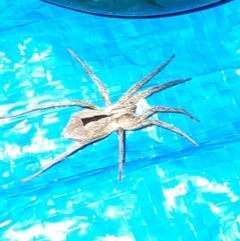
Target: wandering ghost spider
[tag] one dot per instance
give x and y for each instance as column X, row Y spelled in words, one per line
column 91, row 125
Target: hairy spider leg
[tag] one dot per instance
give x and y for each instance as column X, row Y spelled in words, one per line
column 157, row 109
column 155, row 89
column 148, row 122
column 57, row 160
column 54, row 105
column 102, row 89
column 137, row 86
column 64, row 155
column 121, row 133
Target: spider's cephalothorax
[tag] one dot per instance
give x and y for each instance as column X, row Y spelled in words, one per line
column 93, row 124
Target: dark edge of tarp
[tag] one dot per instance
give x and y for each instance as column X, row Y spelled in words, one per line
column 221, row 2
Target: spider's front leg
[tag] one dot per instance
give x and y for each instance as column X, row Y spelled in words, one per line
column 54, row 105
column 137, row 86
column 156, row 89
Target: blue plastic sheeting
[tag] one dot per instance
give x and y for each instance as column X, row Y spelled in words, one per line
column 171, row 190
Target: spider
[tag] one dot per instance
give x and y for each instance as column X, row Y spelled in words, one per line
column 94, row 124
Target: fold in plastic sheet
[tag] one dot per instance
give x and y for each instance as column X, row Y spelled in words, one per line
column 133, row 8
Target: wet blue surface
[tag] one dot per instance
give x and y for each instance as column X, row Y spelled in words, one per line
column 171, row 190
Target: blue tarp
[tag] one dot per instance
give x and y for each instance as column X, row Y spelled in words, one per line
column 171, row 190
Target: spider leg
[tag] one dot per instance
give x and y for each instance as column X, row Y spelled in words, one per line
column 120, row 132
column 144, row 123
column 96, row 80
column 163, row 109
column 54, row 105
column 155, row 89
column 56, row 160
column 137, row 86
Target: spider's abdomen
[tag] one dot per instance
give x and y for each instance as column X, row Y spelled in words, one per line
column 87, row 125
